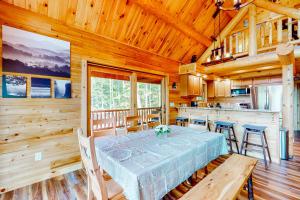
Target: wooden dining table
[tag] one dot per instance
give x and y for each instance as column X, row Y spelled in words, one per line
column 147, row 166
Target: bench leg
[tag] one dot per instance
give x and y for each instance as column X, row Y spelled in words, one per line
column 250, row 188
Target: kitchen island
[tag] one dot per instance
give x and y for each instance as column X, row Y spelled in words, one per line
column 240, row 117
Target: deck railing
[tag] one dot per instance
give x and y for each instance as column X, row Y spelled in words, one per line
column 270, row 33
column 120, row 114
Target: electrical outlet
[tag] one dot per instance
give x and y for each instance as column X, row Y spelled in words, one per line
column 38, row 156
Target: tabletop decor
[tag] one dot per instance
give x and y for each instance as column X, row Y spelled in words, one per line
column 162, row 130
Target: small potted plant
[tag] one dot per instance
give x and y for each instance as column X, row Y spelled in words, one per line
column 162, row 131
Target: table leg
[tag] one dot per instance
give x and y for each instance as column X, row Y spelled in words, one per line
column 250, row 188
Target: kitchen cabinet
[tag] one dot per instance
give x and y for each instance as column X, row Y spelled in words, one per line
column 241, row 83
column 227, row 88
column 210, row 89
column 190, row 85
column 261, row 80
column 219, row 88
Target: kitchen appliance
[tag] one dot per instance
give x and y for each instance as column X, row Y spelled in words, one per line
column 267, row 97
column 240, row 91
column 194, row 104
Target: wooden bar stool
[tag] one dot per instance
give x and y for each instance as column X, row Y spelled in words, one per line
column 182, row 121
column 227, row 127
column 260, row 131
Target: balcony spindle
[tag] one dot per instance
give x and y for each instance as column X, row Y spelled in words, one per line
column 279, row 30
column 270, row 33
column 290, row 23
column 236, row 43
column 225, row 46
column 230, row 44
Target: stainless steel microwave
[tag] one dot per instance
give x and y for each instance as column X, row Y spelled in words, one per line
column 240, row 91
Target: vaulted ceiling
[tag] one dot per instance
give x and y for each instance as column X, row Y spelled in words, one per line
column 176, row 29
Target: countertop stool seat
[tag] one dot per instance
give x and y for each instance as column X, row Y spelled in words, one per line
column 260, row 131
column 227, row 127
column 182, row 121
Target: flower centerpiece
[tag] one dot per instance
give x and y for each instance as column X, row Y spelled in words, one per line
column 162, row 130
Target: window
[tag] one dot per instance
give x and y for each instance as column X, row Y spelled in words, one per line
column 109, row 94
column 149, row 95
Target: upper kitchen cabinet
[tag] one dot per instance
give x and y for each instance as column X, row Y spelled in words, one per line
column 218, row 88
column 241, row 83
column 190, row 85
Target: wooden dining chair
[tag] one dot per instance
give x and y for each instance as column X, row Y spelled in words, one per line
column 199, row 122
column 153, row 120
column 102, row 127
column 133, row 124
column 97, row 186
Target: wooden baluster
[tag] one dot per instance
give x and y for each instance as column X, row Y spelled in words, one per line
column 225, row 46
column 262, row 35
column 290, row 31
column 230, row 44
column 237, row 43
column 243, row 41
column 279, row 30
column 298, row 30
column 270, row 33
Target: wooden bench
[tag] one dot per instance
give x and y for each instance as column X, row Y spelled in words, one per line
column 226, row 181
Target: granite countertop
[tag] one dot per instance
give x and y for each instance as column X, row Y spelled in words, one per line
column 230, row 109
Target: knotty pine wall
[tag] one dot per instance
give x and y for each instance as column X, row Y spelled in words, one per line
column 30, row 125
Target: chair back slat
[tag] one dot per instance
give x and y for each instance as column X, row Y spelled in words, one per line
column 153, row 120
column 133, row 124
column 104, row 126
column 95, row 175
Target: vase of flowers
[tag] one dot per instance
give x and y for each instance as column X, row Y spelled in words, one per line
column 162, row 131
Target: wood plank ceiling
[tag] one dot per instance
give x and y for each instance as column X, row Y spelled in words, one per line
column 128, row 22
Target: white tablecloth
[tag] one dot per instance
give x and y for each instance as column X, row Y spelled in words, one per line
column 148, row 167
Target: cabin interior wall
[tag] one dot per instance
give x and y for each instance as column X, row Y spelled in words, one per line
column 47, row 126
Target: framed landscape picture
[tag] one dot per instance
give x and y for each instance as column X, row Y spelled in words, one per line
column 14, row 86
column 62, row 89
column 40, row 88
column 31, row 53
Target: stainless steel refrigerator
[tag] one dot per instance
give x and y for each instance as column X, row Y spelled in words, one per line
column 267, row 97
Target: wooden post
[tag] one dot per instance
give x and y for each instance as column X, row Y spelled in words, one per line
column 133, row 99
column 252, row 30
column 270, row 33
column 237, row 49
column 279, row 30
column 84, row 97
column 285, row 54
column 165, row 100
column 298, row 31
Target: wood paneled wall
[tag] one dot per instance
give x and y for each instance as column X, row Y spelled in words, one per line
column 28, row 126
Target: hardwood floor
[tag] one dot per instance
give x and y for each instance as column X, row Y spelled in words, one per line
column 279, row 182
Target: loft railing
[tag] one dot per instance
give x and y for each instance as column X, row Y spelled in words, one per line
column 120, row 114
column 269, row 34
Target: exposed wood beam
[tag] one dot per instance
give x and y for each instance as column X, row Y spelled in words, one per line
column 247, row 62
column 285, row 54
column 256, row 69
column 224, row 33
column 271, row 72
column 156, row 9
column 277, row 8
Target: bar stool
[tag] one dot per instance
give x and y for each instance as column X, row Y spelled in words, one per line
column 257, row 130
column 228, row 127
column 182, row 121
